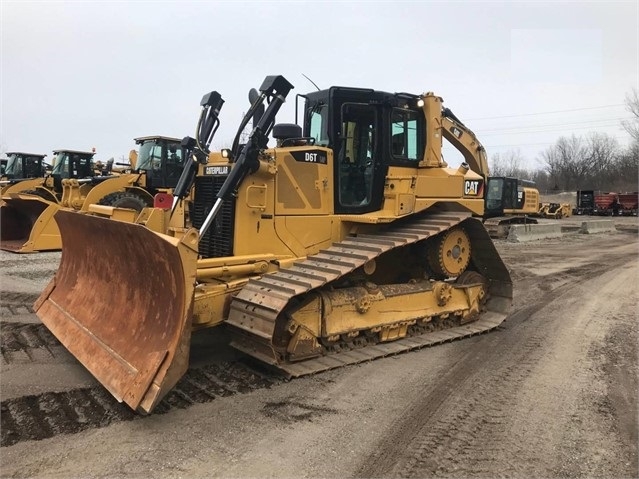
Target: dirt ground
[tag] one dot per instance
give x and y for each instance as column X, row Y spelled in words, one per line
column 552, row 392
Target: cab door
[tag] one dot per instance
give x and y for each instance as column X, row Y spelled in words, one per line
column 358, row 166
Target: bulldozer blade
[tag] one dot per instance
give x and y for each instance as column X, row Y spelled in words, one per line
column 121, row 303
column 27, row 225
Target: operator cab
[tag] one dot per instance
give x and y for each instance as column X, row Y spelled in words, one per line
column 162, row 158
column 20, row 166
column 368, row 131
column 504, row 193
column 71, row 164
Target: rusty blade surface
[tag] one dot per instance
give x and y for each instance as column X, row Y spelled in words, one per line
column 120, row 302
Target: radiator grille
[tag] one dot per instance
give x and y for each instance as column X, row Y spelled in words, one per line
column 218, row 240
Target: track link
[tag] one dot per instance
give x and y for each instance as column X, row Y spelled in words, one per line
column 254, row 312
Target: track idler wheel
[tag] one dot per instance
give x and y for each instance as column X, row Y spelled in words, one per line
column 449, row 255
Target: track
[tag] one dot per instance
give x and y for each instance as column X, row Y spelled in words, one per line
column 256, row 313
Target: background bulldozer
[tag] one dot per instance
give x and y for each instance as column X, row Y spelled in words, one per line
column 349, row 240
column 28, row 219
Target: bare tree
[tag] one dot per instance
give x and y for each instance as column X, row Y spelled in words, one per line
column 565, row 163
column 626, row 168
column 552, row 166
column 511, row 164
column 541, row 179
column 601, row 151
column 595, row 162
column 632, row 105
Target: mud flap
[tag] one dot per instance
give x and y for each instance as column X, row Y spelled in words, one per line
column 121, row 303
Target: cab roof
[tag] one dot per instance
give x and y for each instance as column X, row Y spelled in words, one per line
column 157, row 137
column 24, row 153
column 62, row 150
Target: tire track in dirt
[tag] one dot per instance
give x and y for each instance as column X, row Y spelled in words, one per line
column 18, row 341
column 45, row 415
column 17, row 303
column 462, row 427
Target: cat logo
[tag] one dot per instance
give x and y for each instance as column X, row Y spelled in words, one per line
column 473, row 187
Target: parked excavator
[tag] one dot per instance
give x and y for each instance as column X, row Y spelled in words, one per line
column 23, row 171
column 509, row 201
column 28, row 219
column 349, row 240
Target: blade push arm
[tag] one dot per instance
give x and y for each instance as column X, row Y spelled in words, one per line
column 197, row 149
column 277, row 88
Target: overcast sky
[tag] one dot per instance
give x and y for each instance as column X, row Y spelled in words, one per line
column 97, row 74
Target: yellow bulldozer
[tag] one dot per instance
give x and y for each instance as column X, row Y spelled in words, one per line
column 349, row 240
column 28, row 223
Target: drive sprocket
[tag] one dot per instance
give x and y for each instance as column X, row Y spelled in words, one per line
column 449, row 255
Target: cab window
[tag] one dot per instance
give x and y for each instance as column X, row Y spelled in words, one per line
column 32, row 167
column 175, row 155
column 61, row 167
column 150, row 156
column 174, row 162
column 318, row 127
column 14, row 166
column 494, row 193
column 404, row 137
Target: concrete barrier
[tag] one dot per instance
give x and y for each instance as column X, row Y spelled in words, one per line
column 597, row 226
column 521, row 233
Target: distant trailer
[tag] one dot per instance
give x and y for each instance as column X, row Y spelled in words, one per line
column 585, row 204
column 629, row 203
column 603, row 204
column 592, row 202
column 616, row 204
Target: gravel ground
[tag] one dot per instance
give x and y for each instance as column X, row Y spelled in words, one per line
column 551, row 393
